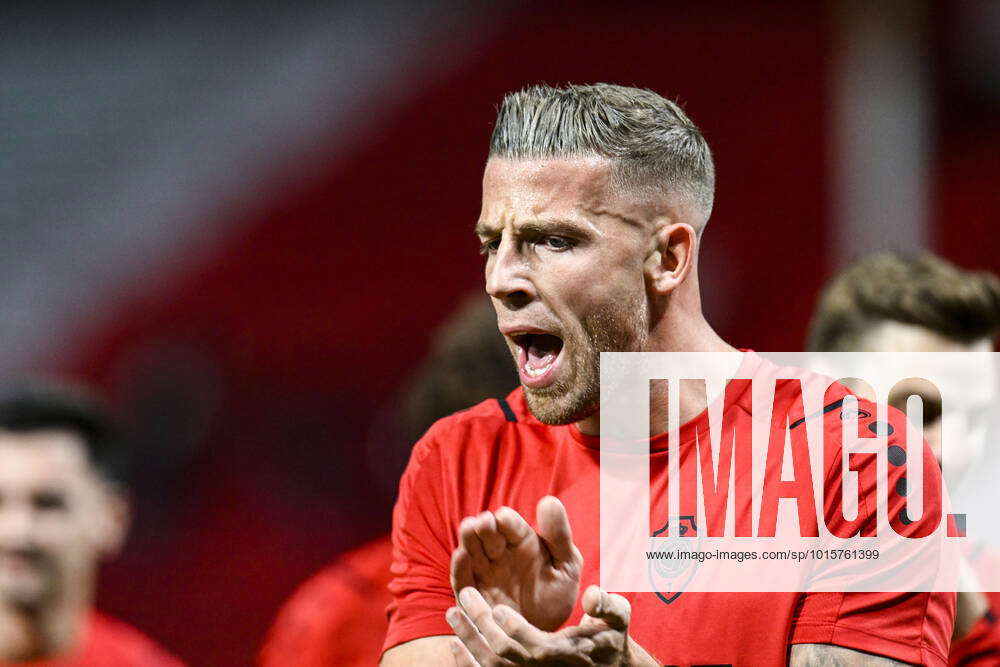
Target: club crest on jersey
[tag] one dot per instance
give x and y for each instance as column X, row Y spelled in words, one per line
column 669, row 576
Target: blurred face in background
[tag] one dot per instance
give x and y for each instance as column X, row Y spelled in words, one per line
column 58, row 517
column 972, row 398
column 565, row 270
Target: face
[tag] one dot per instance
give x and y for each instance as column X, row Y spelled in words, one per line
column 564, row 268
column 971, row 398
column 57, row 517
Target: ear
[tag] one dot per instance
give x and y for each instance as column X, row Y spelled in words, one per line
column 114, row 524
column 672, row 256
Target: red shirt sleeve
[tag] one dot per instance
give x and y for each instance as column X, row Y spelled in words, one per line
column 913, row 627
column 318, row 626
column 981, row 647
column 421, row 547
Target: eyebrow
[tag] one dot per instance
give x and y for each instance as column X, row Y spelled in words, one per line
column 538, row 227
column 484, row 229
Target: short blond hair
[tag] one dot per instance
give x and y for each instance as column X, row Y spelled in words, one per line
column 649, row 139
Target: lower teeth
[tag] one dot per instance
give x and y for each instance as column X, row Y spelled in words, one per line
column 533, row 372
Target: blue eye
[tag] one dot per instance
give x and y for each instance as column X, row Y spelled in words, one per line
column 556, row 242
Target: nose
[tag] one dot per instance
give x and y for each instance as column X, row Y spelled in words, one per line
column 16, row 525
column 508, row 276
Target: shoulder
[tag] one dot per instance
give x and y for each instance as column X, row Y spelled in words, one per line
column 842, row 404
column 488, row 419
column 111, row 636
column 475, row 446
column 807, row 391
column 310, row 627
column 360, row 574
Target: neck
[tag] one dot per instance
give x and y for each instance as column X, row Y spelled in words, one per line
column 45, row 631
column 683, row 331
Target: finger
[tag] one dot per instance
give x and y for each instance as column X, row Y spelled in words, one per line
column 608, row 607
column 604, row 648
column 462, row 656
column 494, row 543
column 512, row 526
column 554, row 529
column 517, row 627
column 469, row 637
column 588, row 627
column 524, row 633
column 594, row 639
column 469, row 541
column 541, row 645
column 461, row 570
column 607, row 641
column 481, row 614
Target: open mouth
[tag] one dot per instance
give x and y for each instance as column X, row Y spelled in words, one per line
column 538, row 357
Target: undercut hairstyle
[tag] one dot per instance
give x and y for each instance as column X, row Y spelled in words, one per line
column 921, row 290
column 34, row 405
column 652, row 144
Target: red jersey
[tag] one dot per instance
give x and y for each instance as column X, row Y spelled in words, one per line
column 338, row 616
column 108, row 642
column 497, row 453
column 981, row 646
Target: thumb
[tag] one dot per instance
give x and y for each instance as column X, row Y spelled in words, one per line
column 611, row 608
column 554, row 529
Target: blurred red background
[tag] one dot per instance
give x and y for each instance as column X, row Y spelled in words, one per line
column 254, row 365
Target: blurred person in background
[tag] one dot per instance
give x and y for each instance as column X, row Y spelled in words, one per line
column 890, row 302
column 338, row 616
column 63, row 510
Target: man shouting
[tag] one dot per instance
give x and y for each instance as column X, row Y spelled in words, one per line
column 595, row 199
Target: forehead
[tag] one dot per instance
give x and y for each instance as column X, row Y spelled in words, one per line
column 891, row 336
column 971, row 381
column 537, row 185
column 44, row 457
column 577, row 189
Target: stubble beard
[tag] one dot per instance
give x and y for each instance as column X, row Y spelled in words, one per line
column 620, row 328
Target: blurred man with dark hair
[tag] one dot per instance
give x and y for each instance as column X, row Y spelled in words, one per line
column 889, row 302
column 319, row 625
column 919, row 303
column 62, row 510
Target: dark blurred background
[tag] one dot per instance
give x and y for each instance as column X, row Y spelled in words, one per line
column 244, row 221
